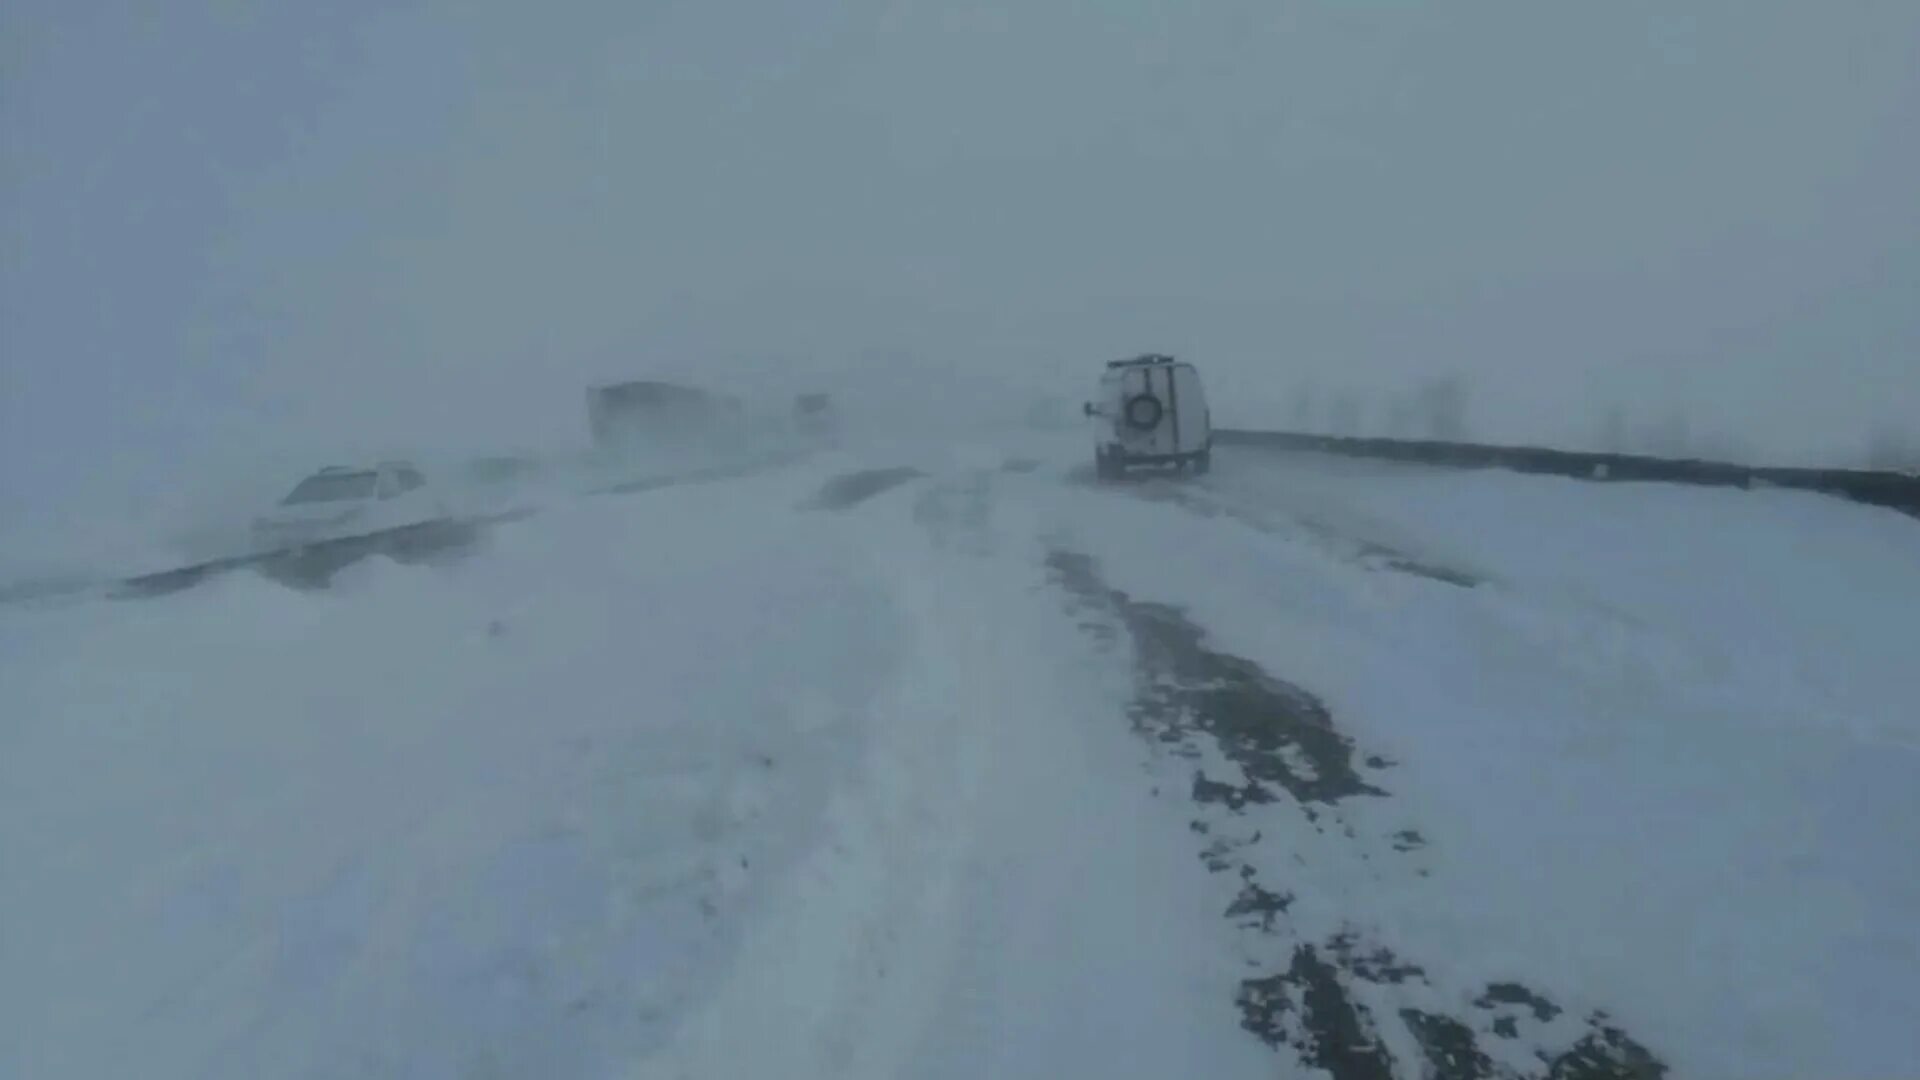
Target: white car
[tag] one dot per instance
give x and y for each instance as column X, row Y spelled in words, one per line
column 342, row 501
column 1151, row 411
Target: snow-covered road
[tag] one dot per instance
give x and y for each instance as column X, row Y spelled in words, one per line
column 944, row 761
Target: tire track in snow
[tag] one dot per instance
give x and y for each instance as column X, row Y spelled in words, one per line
column 1341, row 1002
column 1370, row 553
column 1069, row 949
column 833, row 981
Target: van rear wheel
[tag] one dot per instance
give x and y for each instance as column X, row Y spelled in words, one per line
column 1202, row 463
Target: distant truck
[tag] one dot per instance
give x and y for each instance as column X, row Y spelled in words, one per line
column 630, row 415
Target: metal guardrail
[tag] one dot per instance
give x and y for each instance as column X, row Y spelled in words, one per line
column 313, row 565
column 1897, row 491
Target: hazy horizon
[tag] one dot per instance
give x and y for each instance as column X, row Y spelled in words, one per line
column 248, row 231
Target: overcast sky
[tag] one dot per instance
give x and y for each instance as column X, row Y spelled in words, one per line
column 239, row 229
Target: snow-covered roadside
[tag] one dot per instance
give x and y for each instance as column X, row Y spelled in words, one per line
column 1659, row 764
column 802, row 774
column 76, row 556
column 509, row 814
column 1805, row 601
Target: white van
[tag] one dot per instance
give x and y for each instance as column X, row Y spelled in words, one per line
column 1151, row 411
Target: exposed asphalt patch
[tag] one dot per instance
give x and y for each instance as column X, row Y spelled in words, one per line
column 1332, row 1033
column 1280, row 735
column 1449, row 1046
column 1514, row 994
column 848, row 490
column 1261, row 905
column 1282, row 742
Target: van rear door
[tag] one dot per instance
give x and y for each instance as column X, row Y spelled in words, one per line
column 1192, row 426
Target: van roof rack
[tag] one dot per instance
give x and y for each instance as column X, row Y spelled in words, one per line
column 1141, row 360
